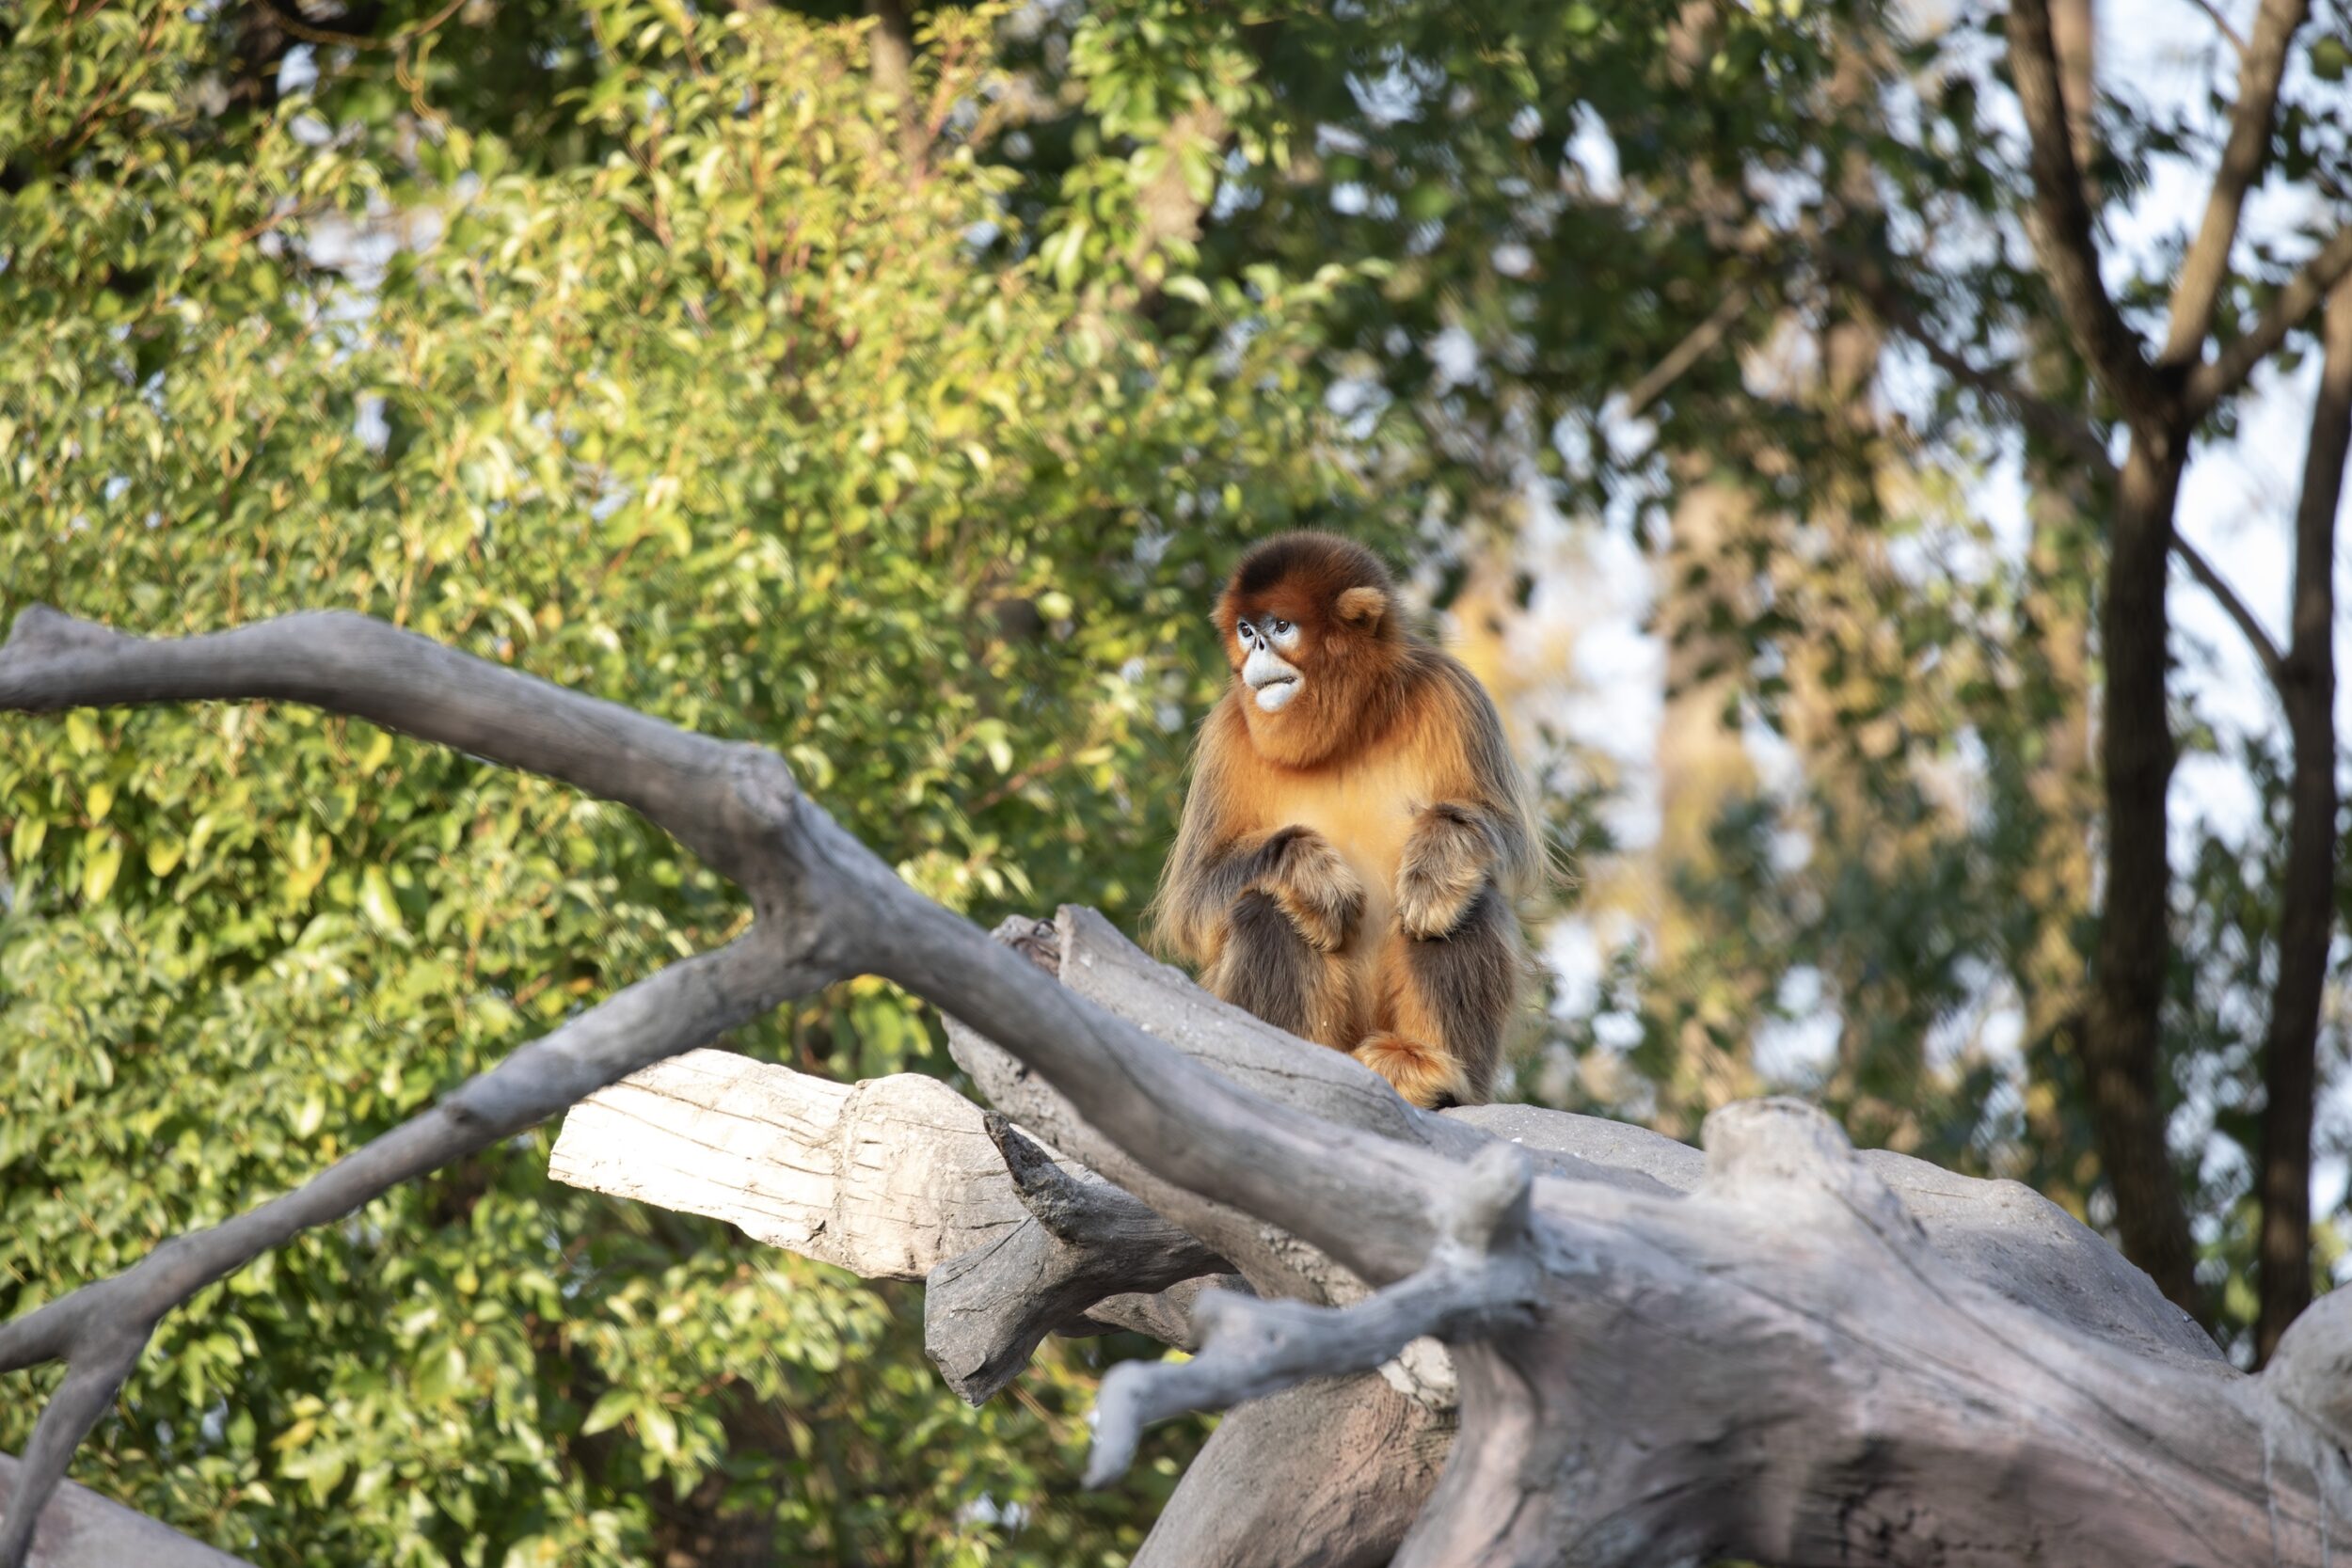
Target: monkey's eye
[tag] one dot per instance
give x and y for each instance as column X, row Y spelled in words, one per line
column 1281, row 629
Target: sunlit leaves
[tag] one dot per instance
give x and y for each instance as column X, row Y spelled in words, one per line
column 701, row 400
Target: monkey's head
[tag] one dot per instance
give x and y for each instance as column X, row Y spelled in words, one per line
column 1311, row 628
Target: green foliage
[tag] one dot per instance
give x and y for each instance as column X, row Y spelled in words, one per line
column 665, row 352
column 730, row 416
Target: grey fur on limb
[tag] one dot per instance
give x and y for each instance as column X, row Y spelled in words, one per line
column 1787, row 1362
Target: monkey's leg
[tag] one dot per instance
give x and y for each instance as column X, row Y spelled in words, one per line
column 1266, row 968
column 1444, row 1005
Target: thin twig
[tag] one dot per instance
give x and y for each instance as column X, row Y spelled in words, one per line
column 2060, row 217
column 2273, row 662
column 2228, row 29
column 1700, row 341
column 2059, row 425
column 1478, row 1279
column 2206, row 267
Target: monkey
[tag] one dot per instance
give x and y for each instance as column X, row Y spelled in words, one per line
column 1355, row 830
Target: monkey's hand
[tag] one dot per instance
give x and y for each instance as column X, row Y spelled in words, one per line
column 1313, row 884
column 1447, row 861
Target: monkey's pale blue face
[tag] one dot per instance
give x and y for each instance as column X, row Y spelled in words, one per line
column 1273, row 679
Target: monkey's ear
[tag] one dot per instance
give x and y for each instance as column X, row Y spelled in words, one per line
column 1361, row 606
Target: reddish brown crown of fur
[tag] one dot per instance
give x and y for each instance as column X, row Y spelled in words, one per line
column 1300, row 576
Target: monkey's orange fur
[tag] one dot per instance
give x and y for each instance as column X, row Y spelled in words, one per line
column 1346, row 862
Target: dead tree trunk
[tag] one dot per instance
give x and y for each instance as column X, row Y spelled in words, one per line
column 1779, row 1350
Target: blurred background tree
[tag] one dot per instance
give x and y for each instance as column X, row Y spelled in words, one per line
column 891, row 386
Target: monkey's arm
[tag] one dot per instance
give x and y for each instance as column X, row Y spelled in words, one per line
column 1297, row 867
column 1219, row 855
column 1480, row 828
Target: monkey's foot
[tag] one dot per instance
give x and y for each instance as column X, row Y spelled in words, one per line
column 1424, row 1074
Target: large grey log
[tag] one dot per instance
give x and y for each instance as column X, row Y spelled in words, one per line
column 1998, row 1235
column 81, row 1530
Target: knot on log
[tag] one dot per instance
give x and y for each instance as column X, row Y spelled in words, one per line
column 1037, row 941
column 1778, row 1142
column 1487, row 1212
column 40, row 627
column 764, row 787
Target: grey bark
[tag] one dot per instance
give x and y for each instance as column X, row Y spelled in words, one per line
column 1803, row 1357
column 1326, row 1474
column 1998, row 1236
column 81, row 1530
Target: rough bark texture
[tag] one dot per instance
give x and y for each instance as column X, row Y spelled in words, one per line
column 2123, row 1049
column 1783, row 1352
column 1268, row 1492
column 2306, row 688
column 1325, row 1475
column 81, row 1530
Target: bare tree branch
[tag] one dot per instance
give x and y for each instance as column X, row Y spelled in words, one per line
column 889, row 1178
column 99, row 1330
column 2293, row 306
column 1695, row 345
column 689, row 785
column 2224, row 24
column 2227, row 598
column 2197, row 287
column 1479, row 1279
column 819, row 895
column 2061, row 220
column 896, row 1178
column 1091, row 959
column 2307, row 897
column 1785, row 1363
column 2060, row 427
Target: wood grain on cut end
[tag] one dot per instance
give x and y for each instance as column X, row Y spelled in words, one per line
column 888, row 1178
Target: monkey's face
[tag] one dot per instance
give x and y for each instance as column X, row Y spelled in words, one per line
column 1266, row 644
column 1309, row 635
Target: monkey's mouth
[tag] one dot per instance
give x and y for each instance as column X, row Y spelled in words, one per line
column 1273, row 691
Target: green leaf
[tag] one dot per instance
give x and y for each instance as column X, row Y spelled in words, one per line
column 101, row 858
column 615, row 1407
column 376, row 901
column 660, row 1430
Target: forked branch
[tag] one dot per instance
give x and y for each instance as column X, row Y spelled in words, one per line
column 2289, row 308
column 99, row 1330
column 1481, row 1279
column 2060, row 216
column 2262, row 61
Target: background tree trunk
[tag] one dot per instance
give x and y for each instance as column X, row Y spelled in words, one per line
column 2307, row 690
column 2123, row 1046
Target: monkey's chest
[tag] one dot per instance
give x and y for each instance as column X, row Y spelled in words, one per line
column 1366, row 816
